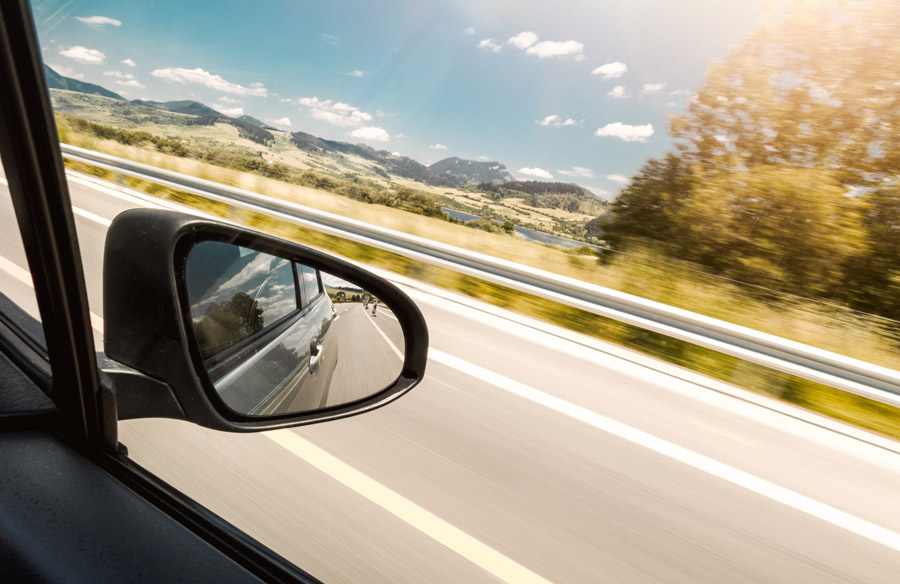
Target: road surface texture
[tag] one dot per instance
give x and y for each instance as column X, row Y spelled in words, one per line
column 529, row 454
column 371, row 355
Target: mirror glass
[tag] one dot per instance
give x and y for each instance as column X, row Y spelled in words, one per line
column 277, row 336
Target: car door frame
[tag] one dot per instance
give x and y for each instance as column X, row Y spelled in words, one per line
column 86, row 418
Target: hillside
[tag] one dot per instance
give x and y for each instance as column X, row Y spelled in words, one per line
column 554, row 207
column 255, row 122
column 183, row 106
column 245, row 129
column 388, row 163
column 549, row 195
column 470, row 172
column 107, row 110
column 57, row 81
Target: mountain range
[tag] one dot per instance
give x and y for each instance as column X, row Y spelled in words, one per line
column 449, row 172
column 57, row 81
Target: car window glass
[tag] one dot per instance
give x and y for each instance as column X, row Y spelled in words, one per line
column 310, row 282
column 235, row 292
column 15, row 277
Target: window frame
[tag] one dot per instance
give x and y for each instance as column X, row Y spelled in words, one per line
column 32, row 159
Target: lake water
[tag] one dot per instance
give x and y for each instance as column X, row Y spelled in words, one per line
column 460, row 215
column 527, row 234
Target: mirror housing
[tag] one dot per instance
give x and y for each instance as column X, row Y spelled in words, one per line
column 152, row 357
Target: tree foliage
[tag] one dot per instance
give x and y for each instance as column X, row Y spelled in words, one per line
column 787, row 161
column 817, row 88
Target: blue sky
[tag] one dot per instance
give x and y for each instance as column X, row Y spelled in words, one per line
column 576, row 91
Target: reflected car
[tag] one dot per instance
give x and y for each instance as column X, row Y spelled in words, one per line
column 262, row 325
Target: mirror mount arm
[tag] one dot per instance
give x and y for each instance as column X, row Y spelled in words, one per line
column 141, row 396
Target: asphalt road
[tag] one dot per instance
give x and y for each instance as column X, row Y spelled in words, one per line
column 532, row 454
column 371, row 351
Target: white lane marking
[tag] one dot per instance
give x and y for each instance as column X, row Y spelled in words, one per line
column 397, row 351
column 91, row 216
column 24, row 276
column 16, row 272
column 646, row 370
column 434, row 527
column 693, row 459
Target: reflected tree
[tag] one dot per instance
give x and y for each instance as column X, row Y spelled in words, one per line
column 227, row 323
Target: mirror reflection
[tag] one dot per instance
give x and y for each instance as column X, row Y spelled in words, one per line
column 277, row 336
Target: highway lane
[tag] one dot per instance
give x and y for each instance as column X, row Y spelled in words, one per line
column 370, row 353
column 558, row 497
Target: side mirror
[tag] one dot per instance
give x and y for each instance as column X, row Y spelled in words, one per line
column 237, row 330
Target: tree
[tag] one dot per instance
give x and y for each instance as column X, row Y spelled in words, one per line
column 645, row 207
column 815, row 89
column 873, row 279
column 785, row 171
column 228, row 322
column 780, row 227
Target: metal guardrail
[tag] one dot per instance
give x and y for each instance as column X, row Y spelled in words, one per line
column 845, row 373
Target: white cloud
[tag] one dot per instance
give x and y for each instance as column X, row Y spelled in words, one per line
column 131, row 83
column 66, row 71
column 357, row 73
column 399, row 136
column 201, row 77
column 555, row 120
column 578, row 171
column 617, row 92
column 482, row 157
column 535, row 172
column 99, row 20
column 619, row 178
column 284, row 122
column 626, row 132
column 548, row 120
column 548, row 49
column 523, row 40
column 331, row 40
column 653, row 87
column 371, row 133
column 438, row 147
column 231, row 100
column 128, row 62
column 489, row 45
column 611, row 70
column 228, row 111
column 334, row 113
column 469, row 31
column 83, row 55
column 118, row 75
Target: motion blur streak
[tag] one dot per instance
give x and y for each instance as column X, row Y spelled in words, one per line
column 465, row 545
column 698, row 461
